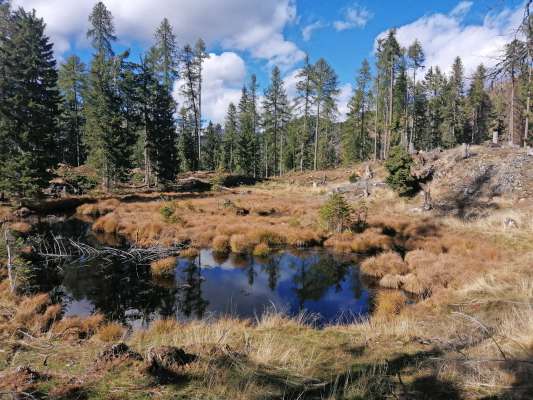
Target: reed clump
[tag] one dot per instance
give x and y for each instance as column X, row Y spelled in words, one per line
column 164, row 267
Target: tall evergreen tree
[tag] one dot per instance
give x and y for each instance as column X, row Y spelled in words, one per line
column 231, row 130
column 29, row 105
column 479, row 106
column 275, row 118
column 416, row 58
column 107, row 133
column 165, row 54
column 355, row 137
column 72, row 84
column 455, row 103
column 186, row 149
column 244, row 156
column 211, row 147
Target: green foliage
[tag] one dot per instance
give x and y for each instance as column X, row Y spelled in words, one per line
column 336, row 213
column 399, row 167
column 29, row 103
column 353, row 178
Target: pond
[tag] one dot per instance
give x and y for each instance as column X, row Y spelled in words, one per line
column 314, row 282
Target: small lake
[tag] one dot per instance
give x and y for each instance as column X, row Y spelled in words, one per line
column 324, row 286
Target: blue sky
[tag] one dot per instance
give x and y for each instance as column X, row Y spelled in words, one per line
column 250, row 36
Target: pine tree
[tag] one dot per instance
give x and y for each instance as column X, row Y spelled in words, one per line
column 29, row 105
column 72, row 84
column 275, row 117
column 455, row 104
column 253, row 98
column 189, row 90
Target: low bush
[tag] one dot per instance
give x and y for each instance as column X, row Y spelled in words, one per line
column 336, row 213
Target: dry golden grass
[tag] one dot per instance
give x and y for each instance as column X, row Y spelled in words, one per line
column 110, row 332
column 262, row 250
column 240, row 244
column 190, row 252
column 384, row 264
column 20, row 227
column 221, row 244
column 389, row 303
column 164, row 267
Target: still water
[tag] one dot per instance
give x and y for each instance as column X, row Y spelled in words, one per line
column 314, row 282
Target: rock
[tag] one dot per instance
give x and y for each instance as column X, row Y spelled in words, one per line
column 510, row 223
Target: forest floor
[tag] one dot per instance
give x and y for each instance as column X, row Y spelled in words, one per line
column 467, row 262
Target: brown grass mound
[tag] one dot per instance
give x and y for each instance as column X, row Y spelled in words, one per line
column 384, row 264
column 370, row 241
column 164, row 267
column 221, row 244
column 389, row 303
column 262, row 250
column 240, row 244
column 190, row 252
column 391, row 281
column 111, row 332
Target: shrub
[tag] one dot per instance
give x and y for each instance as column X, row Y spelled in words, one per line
column 167, row 211
column 335, row 214
column 353, row 178
column 399, row 167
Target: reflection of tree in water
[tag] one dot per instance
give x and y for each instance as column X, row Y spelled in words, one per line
column 117, row 289
column 315, row 275
column 271, row 267
column 190, row 300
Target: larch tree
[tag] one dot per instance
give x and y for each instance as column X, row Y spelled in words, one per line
column 325, row 87
column 416, row 58
column 304, row 102
column 29, row 105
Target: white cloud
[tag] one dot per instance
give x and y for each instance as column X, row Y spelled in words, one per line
column 308, row 30
column 224, row 76
column 247, row 25
column 355, row 16
column 343, row 99
column 445, row 36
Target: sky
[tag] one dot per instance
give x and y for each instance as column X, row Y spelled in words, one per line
column 247, row 37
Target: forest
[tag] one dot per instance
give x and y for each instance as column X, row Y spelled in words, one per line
column 118, row 114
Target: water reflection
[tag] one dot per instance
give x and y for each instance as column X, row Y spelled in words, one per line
column 211, row 285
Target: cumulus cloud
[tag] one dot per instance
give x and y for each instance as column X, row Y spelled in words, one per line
column 247, row 25
column 224, row 75
column 355, row 16
column 343, row 99
column 308, row 30
column 446, row 36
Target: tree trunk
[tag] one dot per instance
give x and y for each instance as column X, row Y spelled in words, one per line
column 528, row 100
column 376, row 122
column 316, row 135
column 511, row 112
column 200, row 114
column 412, row 133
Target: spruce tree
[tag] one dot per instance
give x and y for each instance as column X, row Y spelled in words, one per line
column 275, row 117
column 72, row 84
column 107, row 133
column 29, row 105
column 303, row 101
column 230, row 139
column 416, row 59
column 211, row 147
column 186, row 149
column 479, row 106
column 244, row 152
column 355, row 143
